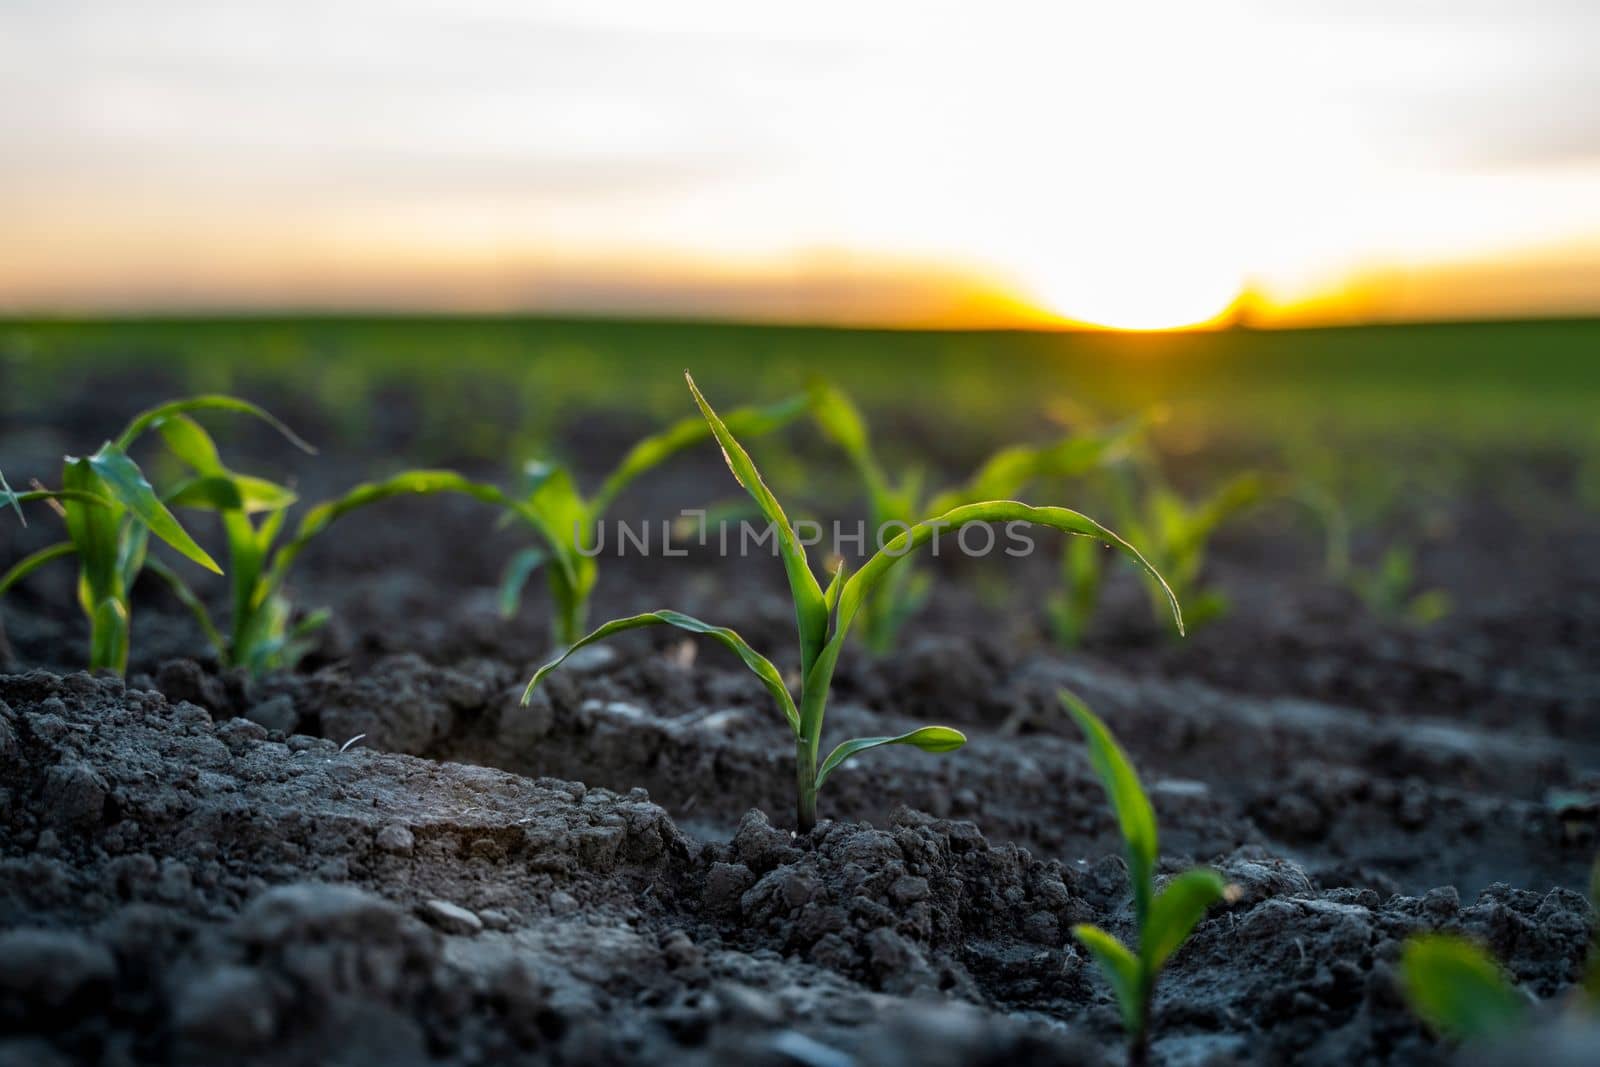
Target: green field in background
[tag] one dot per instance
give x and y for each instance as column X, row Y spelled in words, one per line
column 1525, row 382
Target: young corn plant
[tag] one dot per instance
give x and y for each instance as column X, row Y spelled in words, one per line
column 1390, row 591
column 1164, row 920
column 1172, row 532
column 110, row 511
column 263, row 633
column 824, row 617
column 900, row 503
column 567, row 523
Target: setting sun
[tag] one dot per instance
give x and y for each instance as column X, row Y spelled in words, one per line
column 1152, row 298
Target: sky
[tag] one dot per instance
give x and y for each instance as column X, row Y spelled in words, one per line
column 1131, row 164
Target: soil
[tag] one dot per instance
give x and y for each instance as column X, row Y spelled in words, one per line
column 196, row 867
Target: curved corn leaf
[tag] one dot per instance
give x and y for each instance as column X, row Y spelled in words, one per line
column 190, row 442
column 1458, row 989
column 1063, row 519
column 656, row 449
column 231, row 492
column 1175, row 912
column 187, row 598
column 1135, row 817
column 215, row 487
column 33, row 561
column 325, row 514
column 819, row 674
column 147, row 420
column 759, row 665
column 79, row 496
column 811, row 611
column 1121, row 969
column 927, row 738
column 126, row 482
column 518, row 570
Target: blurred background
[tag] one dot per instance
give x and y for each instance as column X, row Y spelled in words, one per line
column 1137, row 165
column 1383, row 215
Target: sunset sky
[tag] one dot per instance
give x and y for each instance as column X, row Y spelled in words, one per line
column 1128, row 164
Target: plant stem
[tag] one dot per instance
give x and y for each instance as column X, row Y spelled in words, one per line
column 805, row 770
column 1139, row 1044
column 108, row 637
column 569, row 621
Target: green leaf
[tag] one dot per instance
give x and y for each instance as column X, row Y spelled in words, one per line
column 656, row 449
column 1458, row 989
column 1121, row 970
column 758, row 664
column 186, row 596
column 1135, row 817
column 1427, row 608
column 215, row 487
column 819, row 675
column 841, row 422
column 518, row 570
column 211, row 402
column 1063, row 519
column 554, row 497
column 811, row 611
column 133, row 549
column 1176, row 910
column 126, row 482
column 556, row 511
column 79, row 496
column 325, row 514
column 94, row 524
column 927, row 738
column 11, row 498
column 190, row 442
column 830, row 596
column 231, row 492
column 32, row 562
column 1012, row 470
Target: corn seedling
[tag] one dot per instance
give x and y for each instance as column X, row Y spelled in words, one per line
column 110, row 510
column 1390, row 592
column 900, row 503
column 1171, row 531
column 567, row 523
column 1163, row 920
column 824, row 617
column 263, row 632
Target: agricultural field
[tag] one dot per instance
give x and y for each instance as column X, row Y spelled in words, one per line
column 338, row 803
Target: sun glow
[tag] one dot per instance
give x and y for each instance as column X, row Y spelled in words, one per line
column 1127, row 166
column 1150, row 299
